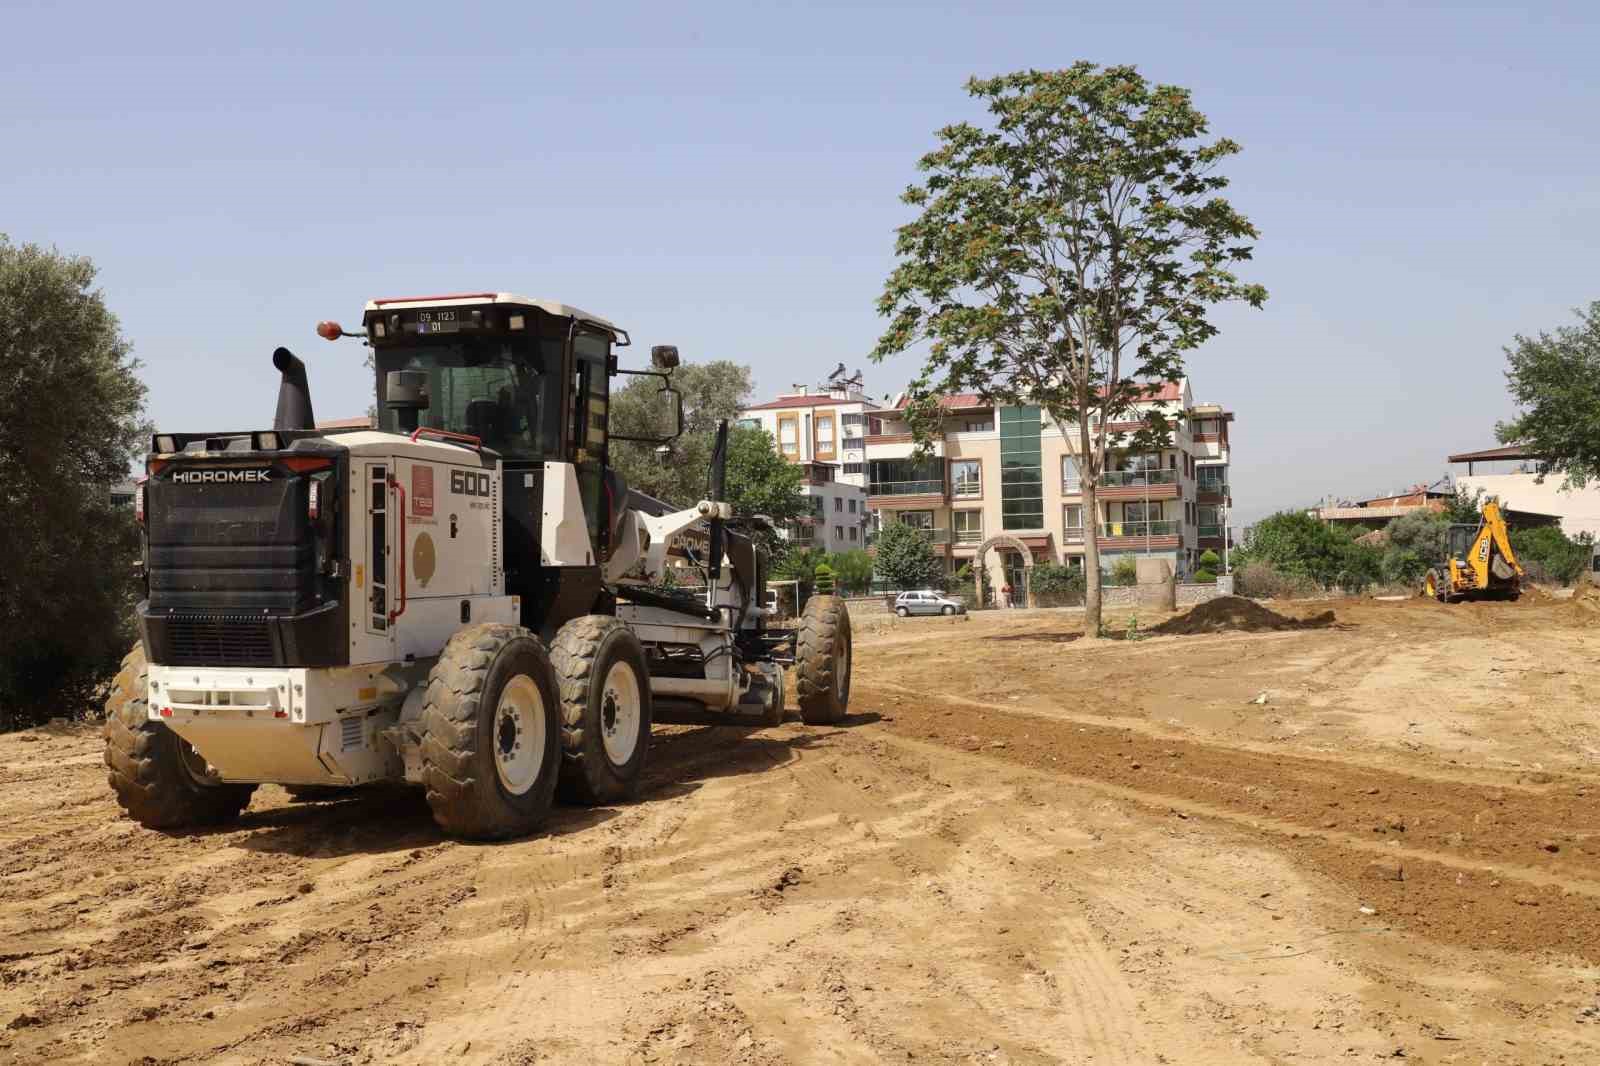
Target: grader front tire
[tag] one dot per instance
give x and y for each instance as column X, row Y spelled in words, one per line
column 823, row 660
column 159, row 780
column 491, row 744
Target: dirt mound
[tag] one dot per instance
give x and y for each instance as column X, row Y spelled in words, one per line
column 1236, row 614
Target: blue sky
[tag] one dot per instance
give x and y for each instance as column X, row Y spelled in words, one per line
column 725, row 177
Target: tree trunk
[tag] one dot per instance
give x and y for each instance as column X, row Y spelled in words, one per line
column 1091, row 556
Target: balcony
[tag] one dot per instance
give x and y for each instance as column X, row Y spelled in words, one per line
column 1159, row 534
column 1210, row 532
column 906, row 488
column 1211, row 488
column 968, row 537
column 1138, row 485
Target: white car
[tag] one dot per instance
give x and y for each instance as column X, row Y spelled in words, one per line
column 927, row 602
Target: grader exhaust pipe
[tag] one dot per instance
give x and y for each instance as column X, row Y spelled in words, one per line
column 294, row 394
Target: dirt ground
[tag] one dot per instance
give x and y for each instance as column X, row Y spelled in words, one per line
column 1376, row 837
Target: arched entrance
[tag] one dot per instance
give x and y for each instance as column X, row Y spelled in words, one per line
column 1005, row 542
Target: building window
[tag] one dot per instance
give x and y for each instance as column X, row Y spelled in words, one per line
column 748, row 423
column 852, row 506
column 1021, row 469
column 838, row 503
column 968, row 526
column 789, row 436
column 855, row 534
column 1213, row 478
column 917, row 519
column 824, row 438
column 853, row 468
column 977, row 425
column 816, row 507
column 1072, row 520
column 966, row 477
column 1071, row 485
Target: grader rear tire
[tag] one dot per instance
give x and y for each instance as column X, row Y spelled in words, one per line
column 822, row 661
column 491, row 733
column 159, row 780
column 605, row 710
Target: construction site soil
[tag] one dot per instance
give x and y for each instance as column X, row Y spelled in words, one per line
column 1259, row 834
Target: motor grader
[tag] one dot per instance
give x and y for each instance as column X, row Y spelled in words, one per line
column 1479, row 562
column 466, row 598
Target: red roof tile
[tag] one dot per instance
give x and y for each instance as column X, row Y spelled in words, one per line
column 801, row 401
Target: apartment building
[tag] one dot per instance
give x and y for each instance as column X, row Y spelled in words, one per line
column 1007, row 470
column 822, row 428
column 819, row 423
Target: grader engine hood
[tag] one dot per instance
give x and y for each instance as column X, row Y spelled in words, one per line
column 243, row 558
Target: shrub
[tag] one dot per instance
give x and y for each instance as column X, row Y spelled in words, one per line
column 1262, row 580
column 1204, row 576
column 1058, row 586
column 822, row 580
column 1125, row 571
column 1210, row 561
column 1548, row 554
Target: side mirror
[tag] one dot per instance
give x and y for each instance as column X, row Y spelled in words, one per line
column 664, row 356
column 671, row 412
column 406, row 389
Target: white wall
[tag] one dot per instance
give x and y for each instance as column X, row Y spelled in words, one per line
column 1579, row 510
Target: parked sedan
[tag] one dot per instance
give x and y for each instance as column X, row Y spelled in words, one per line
column 927, row 602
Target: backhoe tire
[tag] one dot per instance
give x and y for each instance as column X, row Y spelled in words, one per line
column 822, row 661
column 1435, row 586
column 606, row 710
column 491, row 745
column 159, row 780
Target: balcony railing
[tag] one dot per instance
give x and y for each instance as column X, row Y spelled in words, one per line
column 905, row 488
column 969, row 536
column 1126, row 478
column 1140, row 529
column 936, row 537
column 1211, row 532
column 1072, row 534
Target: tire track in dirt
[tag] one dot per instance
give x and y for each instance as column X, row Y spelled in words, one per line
column 1474, row 857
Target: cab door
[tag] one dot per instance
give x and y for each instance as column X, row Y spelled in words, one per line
column 589, row 431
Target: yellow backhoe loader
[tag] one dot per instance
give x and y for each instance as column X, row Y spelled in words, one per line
column 1479, row 563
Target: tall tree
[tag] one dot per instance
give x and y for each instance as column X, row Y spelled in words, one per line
column 903, row 557
column 71, row 418
column 1066, row 256
column 711, row 392
column 762, row 482
column 1555, row 379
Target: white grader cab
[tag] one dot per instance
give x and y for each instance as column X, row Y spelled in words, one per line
column 466, row 599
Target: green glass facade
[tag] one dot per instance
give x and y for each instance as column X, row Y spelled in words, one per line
column 1021, row 469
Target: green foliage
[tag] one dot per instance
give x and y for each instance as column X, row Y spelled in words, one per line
column 1210, row 560
column 1548, row 554
column 1065, row 255
column 852, row 569
column 762, row 482
column 1463, row 509
column 1055, row 585
column 1205, row 576
column 711, row 392
column 1125, row 571
column 797, row 564
column 71, row 418
column 822, row 580
column 905, row 558
column 1415, row 542
column 1261, row 580
column 1295, row 543
column 1555, row 381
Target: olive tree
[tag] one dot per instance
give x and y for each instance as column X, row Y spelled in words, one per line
column 71, row 418
column 1066, row 255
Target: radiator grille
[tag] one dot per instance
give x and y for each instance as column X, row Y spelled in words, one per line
column 350, row 732
column 219, row 640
